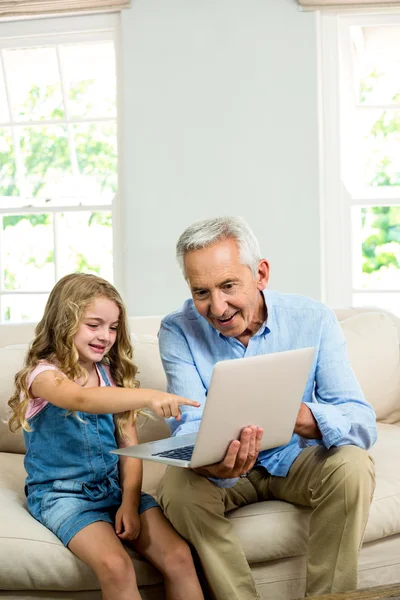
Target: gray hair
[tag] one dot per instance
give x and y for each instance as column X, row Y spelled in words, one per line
column 205, row 233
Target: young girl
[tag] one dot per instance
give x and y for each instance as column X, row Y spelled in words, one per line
column 78, row 372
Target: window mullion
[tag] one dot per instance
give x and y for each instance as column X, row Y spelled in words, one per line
column 24, row 210
column 56, row 255
column 71, row 141
column 1, row 269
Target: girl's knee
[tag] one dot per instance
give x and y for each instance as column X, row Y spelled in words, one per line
column 178, row 561
column 116, row 569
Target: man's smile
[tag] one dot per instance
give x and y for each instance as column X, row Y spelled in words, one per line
column 226, row 320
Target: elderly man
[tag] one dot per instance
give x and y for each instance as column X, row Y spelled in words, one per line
column 325, row 466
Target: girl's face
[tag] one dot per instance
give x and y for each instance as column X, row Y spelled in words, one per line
column 97, row 331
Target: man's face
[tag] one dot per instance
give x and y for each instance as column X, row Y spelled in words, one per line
column 224, row 291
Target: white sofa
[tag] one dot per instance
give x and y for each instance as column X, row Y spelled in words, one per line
column 34, row 564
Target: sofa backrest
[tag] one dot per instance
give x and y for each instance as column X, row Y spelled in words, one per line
column 373, row 346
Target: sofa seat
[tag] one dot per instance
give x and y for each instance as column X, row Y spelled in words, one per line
column 287, row 526
column 32, row 557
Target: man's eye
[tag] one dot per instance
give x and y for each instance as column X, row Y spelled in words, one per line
column 229, row 286
column 201, row 294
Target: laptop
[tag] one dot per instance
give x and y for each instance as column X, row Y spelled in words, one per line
column 264, row 390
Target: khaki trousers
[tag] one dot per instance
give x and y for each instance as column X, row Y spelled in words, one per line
column 337, row 484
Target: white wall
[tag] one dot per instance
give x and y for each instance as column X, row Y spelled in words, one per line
column 220, row 117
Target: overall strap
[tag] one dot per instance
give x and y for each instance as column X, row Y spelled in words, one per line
column 103, row 374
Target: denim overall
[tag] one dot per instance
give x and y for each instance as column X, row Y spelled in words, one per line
column 73, row 480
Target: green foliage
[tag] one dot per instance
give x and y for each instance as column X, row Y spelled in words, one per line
column 83, row 266
column 10, row 281
column 378, row 247
column 38, row 102
column 367, row 84
column 36, row 219
column 8, row 186
column 100, row 218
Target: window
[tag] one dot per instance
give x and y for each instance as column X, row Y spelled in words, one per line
column 360, row 74
column 58, row 156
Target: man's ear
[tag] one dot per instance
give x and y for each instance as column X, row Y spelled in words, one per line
column 262, row 274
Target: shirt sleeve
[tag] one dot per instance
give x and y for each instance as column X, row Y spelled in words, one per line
column 343, row 415
column 35, row 405
column 183, row 378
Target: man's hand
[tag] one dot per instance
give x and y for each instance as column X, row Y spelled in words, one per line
column 240, row 457
column 306, row 425
column 127, row 522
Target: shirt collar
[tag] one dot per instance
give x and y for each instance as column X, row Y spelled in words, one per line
column 266, row 326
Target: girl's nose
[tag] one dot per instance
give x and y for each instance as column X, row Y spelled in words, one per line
column 103, row 334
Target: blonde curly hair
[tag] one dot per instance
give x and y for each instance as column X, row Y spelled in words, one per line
column 54, row 343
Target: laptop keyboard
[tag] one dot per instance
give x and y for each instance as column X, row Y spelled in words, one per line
column 184, row 453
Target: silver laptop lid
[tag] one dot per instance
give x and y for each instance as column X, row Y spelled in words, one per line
column 264, row 390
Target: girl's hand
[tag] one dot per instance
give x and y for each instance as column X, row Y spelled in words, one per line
column 127, row 522
column 167, row 405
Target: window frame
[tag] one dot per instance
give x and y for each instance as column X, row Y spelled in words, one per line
column 339, row 242
column 48, row 31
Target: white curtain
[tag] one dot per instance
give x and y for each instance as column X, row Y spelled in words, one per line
column 315, row 4
column 12, row 8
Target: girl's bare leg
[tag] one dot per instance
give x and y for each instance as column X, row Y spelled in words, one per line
column 98, row 546
column 161, row 545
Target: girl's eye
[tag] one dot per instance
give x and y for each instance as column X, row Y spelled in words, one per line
column 92, row 325
column 114, row 328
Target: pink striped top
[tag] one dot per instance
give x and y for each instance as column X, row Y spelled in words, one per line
column 37, row 404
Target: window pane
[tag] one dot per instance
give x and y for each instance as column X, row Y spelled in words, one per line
column 4, row 114
column 85, row 243
column 377, row 242
column 36, row 91
column 387, row 301
column 46, row 160
column 24, row 307
column 377, row 143
column 28, row 255
column 376, row 55
column 96, row 153
column 89, row 71
column 8, row 185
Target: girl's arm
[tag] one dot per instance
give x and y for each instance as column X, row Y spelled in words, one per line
column 57, row 389
column 130, row 469
column 127, row 521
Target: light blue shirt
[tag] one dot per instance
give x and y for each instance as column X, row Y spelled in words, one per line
column 190, row 347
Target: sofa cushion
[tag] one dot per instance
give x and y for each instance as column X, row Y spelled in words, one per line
column 373, row 348
column 11, row 360
column 147, row 358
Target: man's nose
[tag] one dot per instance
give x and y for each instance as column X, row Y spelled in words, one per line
column 218, row 305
